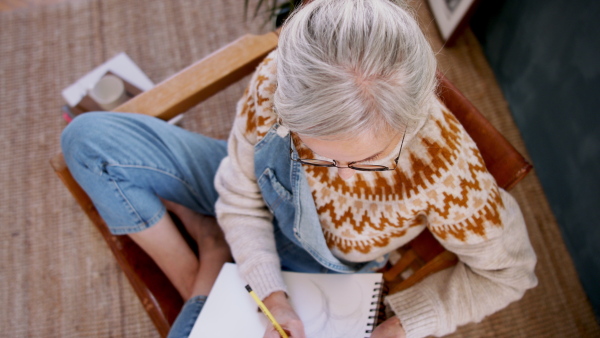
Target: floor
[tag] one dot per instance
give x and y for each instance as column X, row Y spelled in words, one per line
column 9, row 5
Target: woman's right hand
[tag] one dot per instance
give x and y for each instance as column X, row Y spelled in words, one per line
column 282, row 310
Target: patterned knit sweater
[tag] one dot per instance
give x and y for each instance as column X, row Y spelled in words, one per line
column 441, row 183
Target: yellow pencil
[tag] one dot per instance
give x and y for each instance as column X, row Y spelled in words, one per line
column 264, row 309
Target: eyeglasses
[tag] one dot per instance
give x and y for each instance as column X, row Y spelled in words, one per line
column 351, row 165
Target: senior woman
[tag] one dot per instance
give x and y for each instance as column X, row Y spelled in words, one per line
column 339, row 154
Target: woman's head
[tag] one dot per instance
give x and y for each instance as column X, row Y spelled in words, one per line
column 346, row 67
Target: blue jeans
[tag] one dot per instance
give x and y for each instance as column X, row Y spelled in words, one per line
column 125, row 162
column 182, row 327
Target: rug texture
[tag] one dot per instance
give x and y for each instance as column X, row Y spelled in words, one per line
column 57, row 276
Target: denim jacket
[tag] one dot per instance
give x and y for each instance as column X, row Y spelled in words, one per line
column 299, row 238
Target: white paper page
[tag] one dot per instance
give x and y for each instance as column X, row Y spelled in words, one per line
column 330, row 305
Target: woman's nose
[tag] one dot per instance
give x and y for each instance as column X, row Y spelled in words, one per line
column 345, row 173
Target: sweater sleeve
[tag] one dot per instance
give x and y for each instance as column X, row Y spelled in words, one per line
column 241, row 210
column 490, row 275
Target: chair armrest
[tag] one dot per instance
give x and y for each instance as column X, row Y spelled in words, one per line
column 204, row 78
column 159, row 297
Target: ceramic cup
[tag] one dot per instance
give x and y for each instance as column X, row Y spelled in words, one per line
column 109, row 92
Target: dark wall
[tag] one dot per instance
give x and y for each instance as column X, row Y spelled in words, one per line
column 546, row 57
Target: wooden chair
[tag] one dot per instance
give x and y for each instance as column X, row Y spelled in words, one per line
column 212, row 74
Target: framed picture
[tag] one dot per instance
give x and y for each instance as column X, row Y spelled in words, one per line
column 451, row 15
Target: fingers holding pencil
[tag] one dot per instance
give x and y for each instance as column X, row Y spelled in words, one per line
column 291, row 324
column 282, row 310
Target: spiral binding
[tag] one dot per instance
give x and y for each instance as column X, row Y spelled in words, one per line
column 378, row 311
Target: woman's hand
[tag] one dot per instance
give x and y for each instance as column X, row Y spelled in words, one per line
column 282, row 310
column 389, row 328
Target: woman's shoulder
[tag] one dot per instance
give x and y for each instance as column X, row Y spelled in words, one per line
column 439, row 140
column 463, row 199
column 255, row 107
column 442, row 132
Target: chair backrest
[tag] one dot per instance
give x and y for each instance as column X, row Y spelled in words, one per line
column 212, row 74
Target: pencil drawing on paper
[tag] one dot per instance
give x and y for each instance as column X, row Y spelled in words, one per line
column 331, row 320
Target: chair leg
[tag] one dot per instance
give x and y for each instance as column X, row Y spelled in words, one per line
column 405, row 261
column 442, row 261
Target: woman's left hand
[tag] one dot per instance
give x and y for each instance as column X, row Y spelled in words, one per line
column 390, row 328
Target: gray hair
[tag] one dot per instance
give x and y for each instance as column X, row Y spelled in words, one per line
column 350, row 66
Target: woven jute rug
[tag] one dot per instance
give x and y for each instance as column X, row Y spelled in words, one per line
column 57, row 277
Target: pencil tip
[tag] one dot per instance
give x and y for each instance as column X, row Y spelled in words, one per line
column 248, row 288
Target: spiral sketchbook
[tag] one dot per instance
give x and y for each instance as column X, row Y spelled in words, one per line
column 330, row 305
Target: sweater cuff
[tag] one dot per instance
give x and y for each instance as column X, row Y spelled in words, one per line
column 415, row 311
column 265, row 278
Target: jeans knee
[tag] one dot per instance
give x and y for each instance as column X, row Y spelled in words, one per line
column 90, row 129
column 83, row 137
column 80, row 130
